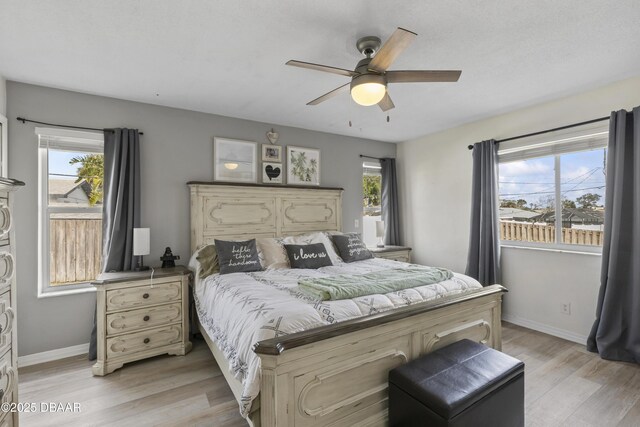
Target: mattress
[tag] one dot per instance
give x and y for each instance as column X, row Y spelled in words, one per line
column 240, row 309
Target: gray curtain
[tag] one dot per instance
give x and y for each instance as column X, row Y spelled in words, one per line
column 616, row 332
column 483, row 261
column 121, row 204
column 390, row 211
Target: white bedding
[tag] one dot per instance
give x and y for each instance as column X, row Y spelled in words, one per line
column 238, row 310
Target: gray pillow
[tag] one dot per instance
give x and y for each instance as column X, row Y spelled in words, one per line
column 238, row 257
column 351, row 248
column 308, row 256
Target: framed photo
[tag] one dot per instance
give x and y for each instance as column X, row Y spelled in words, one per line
column 303, row 166
column 272, row 173
column 235, row 160
column 271, row 153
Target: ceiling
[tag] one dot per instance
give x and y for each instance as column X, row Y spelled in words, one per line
column 227, row 57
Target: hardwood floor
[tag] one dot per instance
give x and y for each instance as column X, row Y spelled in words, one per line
column 565, row 386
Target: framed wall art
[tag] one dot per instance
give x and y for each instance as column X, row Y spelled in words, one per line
column 303, row 166
column 272, row 153
column 235, row 160
column 272, row 173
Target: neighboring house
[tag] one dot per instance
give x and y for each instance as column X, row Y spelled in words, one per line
column 65, row 191
column 590, row 219
column 515, row 214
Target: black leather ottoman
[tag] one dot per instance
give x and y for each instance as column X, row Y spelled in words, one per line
column 463, row 384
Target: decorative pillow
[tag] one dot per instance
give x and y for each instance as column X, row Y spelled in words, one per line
column 208, row 259
column 273, row 254
column 308, row 256
column 238, row 257
column 317, row 237
column 351, row 248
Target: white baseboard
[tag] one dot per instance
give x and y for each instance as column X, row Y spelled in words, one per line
column 541, row 327
column 51, row 355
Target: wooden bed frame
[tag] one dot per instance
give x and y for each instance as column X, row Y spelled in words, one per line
column 335, row 375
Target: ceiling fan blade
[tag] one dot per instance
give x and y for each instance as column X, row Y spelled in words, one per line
column 329, row 95
column 390, row 50
column 386, row 103
column 416, row 76
column 325, row 68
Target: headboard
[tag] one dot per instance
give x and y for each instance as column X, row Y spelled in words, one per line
column 245, row 211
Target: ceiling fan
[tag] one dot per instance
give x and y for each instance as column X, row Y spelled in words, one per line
column 370, row 78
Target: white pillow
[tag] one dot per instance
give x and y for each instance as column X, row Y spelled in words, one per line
column 272, row 253
column 317, row 237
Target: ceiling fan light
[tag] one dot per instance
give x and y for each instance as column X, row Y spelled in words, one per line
column 368, row 89
column 231, row 165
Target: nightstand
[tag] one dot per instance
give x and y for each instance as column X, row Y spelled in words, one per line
column 140, row 316
column 396, row 253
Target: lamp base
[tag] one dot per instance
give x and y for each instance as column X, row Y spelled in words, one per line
column 380, row 246
column 141, row 268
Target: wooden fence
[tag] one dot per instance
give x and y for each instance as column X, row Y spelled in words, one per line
column 528, row 232
column 76, row 250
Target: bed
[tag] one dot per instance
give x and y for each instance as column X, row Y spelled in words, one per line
column 315, row 371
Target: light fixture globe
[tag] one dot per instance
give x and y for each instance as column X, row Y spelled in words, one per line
column 368, row 89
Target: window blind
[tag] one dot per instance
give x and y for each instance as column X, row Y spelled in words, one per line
column 70, row 140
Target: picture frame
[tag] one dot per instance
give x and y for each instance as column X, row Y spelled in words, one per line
column 272, row 153
column 272, row 173
column 303, row 166
column 235, row 160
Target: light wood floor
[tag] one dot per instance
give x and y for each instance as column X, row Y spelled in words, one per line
column 565, row 386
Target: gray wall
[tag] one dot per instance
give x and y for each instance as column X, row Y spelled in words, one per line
column 3, row 96
column 177, row 147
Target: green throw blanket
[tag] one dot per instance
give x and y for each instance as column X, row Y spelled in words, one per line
column 380, row 282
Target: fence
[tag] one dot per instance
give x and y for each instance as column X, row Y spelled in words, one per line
column 76, row 250
column 528, row 232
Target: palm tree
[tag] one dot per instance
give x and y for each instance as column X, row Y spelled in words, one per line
column 91, row 169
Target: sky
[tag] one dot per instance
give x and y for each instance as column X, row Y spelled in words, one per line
column 533, row 179
column 59, row 164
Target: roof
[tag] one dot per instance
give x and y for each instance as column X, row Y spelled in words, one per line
column 517, row 213
column 62, row 187
column 575, row 215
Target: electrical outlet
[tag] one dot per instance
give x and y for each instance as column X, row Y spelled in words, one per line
column 356, row 223
column 566, row 308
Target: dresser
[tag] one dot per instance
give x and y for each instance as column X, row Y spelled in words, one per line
column 8, row 337
column 396, row 253
column 141, row 315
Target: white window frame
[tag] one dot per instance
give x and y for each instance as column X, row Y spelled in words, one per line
column 58, row 139
column 583, row 138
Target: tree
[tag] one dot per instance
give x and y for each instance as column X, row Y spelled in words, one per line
column 371, row 187
column 91, row 169
column 566, row 203
column 521, row 203
column 508, row 204
column 547, row 203
column 588, row 200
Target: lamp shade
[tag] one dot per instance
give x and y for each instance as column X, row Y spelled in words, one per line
column 141, row 241
column 379, row 228
column 368, row 89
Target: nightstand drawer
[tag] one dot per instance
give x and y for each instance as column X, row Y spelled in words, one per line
column 396, row 256
column 140, row 296
column 139, row 342
column 7, row 315
column 127, row 321
column 7, row 377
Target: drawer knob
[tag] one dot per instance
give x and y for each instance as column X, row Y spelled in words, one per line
column 146, row 318
column 146, row 340
column 145, row 296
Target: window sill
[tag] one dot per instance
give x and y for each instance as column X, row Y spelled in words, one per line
column 552, row 249
column 60, row 293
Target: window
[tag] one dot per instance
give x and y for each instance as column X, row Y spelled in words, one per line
column 565, row 173
column 372, row 201
column 71, row 169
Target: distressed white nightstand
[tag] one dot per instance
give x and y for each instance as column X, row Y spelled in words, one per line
column 396, row 253
column 139, row 316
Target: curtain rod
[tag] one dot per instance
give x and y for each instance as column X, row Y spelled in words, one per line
column 371, row 157
column 23, row 120
column 470, row 147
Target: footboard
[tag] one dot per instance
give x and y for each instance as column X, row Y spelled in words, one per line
column 337, row 375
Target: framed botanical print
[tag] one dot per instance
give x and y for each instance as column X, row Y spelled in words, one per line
column 303, row 166
column 235, row 160
column 271, row 153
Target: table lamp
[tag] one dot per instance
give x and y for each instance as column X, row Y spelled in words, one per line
column 380, row 233
column 141, row 244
